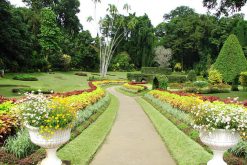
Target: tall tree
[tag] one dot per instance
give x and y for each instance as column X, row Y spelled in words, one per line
column 50, row 37
column 224, row 6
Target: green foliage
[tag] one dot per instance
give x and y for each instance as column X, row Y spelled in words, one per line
column 225, row 5
column 34, row 90
column 200, row 84
column 139, row 77
column 162, row 82
column 191, row 75
column 178, row 67
column 214, row 76
column 96, row 78
column 20, row 145
column 5, row 107
column 65, row 62
column 50, row 37
column 231, row 60
column 240, row 150
column 122, row 62
column 243, row 79
column 156, row 70
column 177, row 78
column 25, row 77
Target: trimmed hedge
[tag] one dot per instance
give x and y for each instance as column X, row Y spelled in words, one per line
column 138, row 77
column 177, row 78
column 25, row 77
column 156, row 70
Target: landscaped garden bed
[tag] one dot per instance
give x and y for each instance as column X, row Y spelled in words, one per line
column 89, row 105
column 178, row 108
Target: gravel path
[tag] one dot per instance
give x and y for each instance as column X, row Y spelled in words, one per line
column 133, row 140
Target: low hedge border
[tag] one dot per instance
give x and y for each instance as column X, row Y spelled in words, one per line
column 194, row 134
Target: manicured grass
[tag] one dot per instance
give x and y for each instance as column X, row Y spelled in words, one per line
column 59, row 82
column 82, row 149
column 241, row 94
column 183, row 149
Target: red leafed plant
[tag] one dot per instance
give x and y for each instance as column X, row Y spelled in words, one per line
column 4, row 99
column 8, row 125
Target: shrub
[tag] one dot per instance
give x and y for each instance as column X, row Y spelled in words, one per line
column 25, row 77
column 163, row 81
column 5, row 107
column 231, row 60
column 20, row 145
column 177, row 78
column 65, row 62
column 81, row 74
column 200, row 84
column 240, row 149
column 214, row 76
column 191, row 75
column 176, row 85
column 96, row 78
column 34, row 90
column 243, row 79
column 156, row 70
column 122, row 62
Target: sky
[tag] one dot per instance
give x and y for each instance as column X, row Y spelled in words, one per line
column 155, row 9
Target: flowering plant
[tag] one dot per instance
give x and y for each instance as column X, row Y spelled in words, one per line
column 218, row 115
column 46, row 114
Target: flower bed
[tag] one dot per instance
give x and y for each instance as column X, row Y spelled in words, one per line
column 80, row 99
column 207, row 115
column 182, row 120
column 133, row 87
column 86, row 103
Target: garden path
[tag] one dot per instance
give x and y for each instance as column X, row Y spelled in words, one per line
column 133, row 140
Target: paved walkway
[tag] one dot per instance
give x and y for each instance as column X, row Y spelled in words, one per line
column 133, row 140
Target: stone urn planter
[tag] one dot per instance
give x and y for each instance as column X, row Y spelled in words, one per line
column 51, row 144
column 219, row 141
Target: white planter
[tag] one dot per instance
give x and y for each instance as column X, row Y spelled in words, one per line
column 219, row 141
column 50, row 144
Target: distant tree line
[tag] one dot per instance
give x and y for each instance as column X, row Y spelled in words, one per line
column 48, row 35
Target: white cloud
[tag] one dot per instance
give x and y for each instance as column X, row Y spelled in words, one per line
column 155, row 9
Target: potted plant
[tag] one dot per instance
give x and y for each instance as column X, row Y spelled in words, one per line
column 220, row 126
column 49, row 123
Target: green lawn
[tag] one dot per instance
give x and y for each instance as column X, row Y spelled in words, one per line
column 59, row 82
column 82, row 149
column 241, row 94
column 183, row 149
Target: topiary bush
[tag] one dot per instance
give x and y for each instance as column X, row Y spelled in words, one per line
column 25, row 77
column 231, row 60
column 214, row 76
column 191, row 75
column 243, row 80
